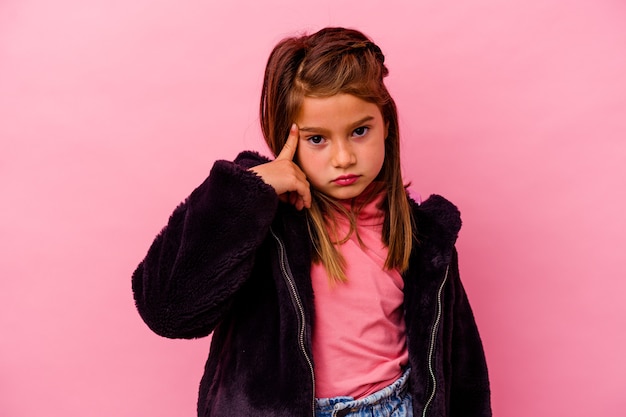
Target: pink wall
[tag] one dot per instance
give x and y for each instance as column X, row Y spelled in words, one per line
column 111, row 111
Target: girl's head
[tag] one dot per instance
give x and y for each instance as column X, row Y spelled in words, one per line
column 338, row 62
column 330, row 62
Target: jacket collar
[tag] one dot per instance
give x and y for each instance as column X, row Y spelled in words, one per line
column 437, row 220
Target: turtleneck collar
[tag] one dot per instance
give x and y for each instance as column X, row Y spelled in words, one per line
column 367, row 205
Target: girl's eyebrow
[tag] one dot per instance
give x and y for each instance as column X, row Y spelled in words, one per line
column 321, row 129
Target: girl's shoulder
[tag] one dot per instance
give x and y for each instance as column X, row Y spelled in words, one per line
column 249, row 159
column 437, row 220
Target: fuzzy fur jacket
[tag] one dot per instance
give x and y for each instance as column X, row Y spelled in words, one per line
column 235, row 262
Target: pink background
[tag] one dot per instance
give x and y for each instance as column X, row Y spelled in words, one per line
column 112, row 111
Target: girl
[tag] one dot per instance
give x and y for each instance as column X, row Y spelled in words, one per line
column 328, row 290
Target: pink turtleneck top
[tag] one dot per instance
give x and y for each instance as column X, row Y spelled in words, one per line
column 359, row 343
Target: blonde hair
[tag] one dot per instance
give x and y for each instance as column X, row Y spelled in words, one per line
column 326, row 63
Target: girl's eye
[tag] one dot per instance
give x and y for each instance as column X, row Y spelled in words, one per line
column 316, row 140
column 360, row 131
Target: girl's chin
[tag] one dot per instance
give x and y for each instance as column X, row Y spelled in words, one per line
column 344, row 192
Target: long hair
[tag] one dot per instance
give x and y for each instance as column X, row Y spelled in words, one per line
column 329, row 62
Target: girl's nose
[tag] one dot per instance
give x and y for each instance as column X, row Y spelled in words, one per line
column 343, row 155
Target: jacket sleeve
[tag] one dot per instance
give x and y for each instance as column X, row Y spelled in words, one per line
column 469, row 381
column 466, row 378
column 205, row 252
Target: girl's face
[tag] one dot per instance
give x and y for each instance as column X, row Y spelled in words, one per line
column 342, row 144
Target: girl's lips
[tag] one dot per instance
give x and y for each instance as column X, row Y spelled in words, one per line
column 346, row 179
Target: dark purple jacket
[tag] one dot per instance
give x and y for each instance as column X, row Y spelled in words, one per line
column 235, row 261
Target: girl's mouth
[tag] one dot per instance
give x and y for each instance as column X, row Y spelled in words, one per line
column 346, row 179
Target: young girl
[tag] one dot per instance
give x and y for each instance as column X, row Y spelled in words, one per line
column 329, row 292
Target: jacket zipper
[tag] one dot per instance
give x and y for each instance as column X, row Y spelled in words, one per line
column 295, row 298
column 431, row 349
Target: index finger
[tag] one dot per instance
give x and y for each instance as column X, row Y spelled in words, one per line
column 289, row 149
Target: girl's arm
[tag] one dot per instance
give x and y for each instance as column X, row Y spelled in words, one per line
column 469, row 381
column 206, row 251
column 465, row 367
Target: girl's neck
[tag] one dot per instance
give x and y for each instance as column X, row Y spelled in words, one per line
column 363, row 210
column 374, row 192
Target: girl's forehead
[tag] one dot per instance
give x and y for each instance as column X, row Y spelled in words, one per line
column 336, row 108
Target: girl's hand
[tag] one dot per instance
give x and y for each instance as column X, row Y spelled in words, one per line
column 285, row 176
